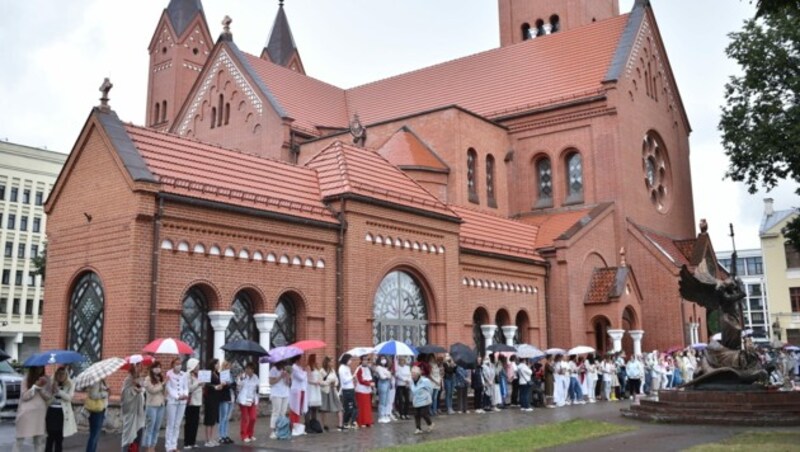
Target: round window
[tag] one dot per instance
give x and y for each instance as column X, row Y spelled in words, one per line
column 657, row 174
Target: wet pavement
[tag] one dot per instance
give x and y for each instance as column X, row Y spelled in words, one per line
column 647, row 436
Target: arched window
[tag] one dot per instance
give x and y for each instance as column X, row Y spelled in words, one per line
column 213, row 117
column 521, row 336
column 87, row 305
column 574, row 172
column 241, row 326
column 472, row 186
column 540, row 28
column 195, row 325
column 156, row 113
column 544, row 183
column 490, row 179
column 227, row 112
column 285, row 330
column 220, row 107
column 526, row 31
column 399, row 310
column 555, row 23
column 501, row 319
column 479, row 317
column 164, row 111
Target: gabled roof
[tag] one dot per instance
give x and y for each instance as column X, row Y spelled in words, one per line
column 770, row 221
column 347, row 170
column 494, row 234
column 281, row 47
column 679, row 252
column 607, row 284
column 562, row 225
column 181, row 13
column 198, row 170
column 406, row 150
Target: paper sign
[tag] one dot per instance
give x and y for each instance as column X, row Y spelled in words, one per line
column 225, row 376
column 204, row 376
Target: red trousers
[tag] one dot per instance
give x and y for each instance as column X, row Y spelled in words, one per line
column 294, row 418
column 248, row 423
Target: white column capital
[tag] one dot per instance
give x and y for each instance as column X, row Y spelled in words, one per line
column 265, row 322
column 616, row 337
column 220, row 319
column 488, row 333
column 509, row 331
column 637, row 341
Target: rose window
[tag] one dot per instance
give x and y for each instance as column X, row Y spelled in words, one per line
column 655, row 165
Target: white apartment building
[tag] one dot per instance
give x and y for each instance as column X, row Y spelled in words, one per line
column 26, row 177
column 750, row 268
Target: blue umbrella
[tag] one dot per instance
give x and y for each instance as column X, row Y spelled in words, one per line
column 279, row 354
column 54, row 357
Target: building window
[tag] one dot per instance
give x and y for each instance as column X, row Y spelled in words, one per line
column 87, row 306
column 285, row 330
column 9, row 249
column 792, row 255
column 39, row 198
column 472, row 188
column 15, row 307
column 526, row 31
column 213, row 117
column 156, row 113
column 26, row 196
column 555, row 23
column 21, row 250
column 18, row 278
column 4, row 306
column 574, row 178
column 37, row 224
column 195, row 324
column 12, row 221
column 164, row 111
column 14, row 193
column 241, row 326
column 544, row 183
column 540, row 28
column 794, row 295
column 755, row 266
column 31, row 279
column 490, row 179
column 6, row 276
column 657, row 172
column 41, row 307
column 2, row 192
column 399, row 310
column 34, row 250
column 227, row 112
column 29, row 307
column 23, row 223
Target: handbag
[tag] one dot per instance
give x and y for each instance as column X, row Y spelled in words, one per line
column 94, row 405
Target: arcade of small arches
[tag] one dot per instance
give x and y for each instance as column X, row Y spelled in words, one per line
column 400, row 243
column 498, row 285
column 607, row 338
column 244, row 254
column 502, row 330
column 541, row 28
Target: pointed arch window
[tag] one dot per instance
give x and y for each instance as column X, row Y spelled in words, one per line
column 574, row 167
column 156, row 113
column 242, row 326
column 540, row 28
column 285, row 330
column 213, row 117
column 164, row 111
column 227, row 112
column 399, row 310
column 490, row 181
column 87, row 306
column 472, row 183
column 544, row 183
column 195, row 324
column 526, row 31
column 220, row 107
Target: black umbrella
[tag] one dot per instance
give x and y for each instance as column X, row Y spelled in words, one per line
column 431, row 349
column 463, row 355
column 4, row 356
column 501, row 348
column 246, row 347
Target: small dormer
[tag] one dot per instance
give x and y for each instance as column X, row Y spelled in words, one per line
column 521, row 20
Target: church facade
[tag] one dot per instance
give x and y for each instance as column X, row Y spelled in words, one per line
column 473, row 201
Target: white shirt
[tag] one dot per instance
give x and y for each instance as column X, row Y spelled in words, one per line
column 248, row 390
column 366, row 375
column 403, row 375
column 346, row 377
column 279, row 389
column 525, row 373
column 177, row 386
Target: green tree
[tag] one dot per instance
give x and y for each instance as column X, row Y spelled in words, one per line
column 39, row 261
column 760, row 121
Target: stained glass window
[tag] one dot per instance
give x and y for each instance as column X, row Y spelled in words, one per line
column 285, row 330
column 242, row 326
column 490, row 181
column 472, row 158
column 575, row 177
column 544, row 172
column 656, row 171
column 86, row 319
column 399, row 310
column 195, row 325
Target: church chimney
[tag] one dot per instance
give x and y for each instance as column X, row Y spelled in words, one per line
column 769, row 207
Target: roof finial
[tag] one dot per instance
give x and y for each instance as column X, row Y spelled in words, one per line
column 703, row 226
column 105, row 88
column 622, row 261
column 226, row 34
column 280, row 3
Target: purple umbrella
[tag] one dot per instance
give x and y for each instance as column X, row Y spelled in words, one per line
column 279, row 354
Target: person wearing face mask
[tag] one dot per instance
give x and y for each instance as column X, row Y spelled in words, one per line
column 155, row 397
column 364, row 385
column 384, row 377
column 177, row 390
column 132, row 404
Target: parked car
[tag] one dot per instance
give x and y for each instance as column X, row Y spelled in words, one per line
column 10, row 389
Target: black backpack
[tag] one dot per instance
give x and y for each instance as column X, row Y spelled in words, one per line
column 313, row 426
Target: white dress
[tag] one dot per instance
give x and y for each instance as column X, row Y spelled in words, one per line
column 314, row 394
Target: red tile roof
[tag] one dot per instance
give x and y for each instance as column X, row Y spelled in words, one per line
column 555, row 68
column 601, row 285
column 495, row 234
column 405, row 149
column 191, row 168
column 552, row 225
column 673, row 249
column 347, row 169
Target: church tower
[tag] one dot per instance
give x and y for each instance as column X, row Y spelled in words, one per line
column 178, row 50
column 521, row 20
column 280, row 48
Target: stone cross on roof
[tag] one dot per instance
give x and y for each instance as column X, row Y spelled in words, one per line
column 226, row 25
column 105, row 88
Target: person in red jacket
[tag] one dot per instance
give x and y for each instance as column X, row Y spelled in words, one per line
column 364, row 385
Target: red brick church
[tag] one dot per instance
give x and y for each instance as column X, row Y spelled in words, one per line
column 473, row 201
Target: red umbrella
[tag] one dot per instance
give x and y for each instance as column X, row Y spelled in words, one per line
column 673, row 349
column 168, row 346
column 145, row 360
column 309, row 344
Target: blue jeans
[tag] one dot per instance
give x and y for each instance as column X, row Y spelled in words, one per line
column 648, row 382
column 154, row 415
column 384, row 407
column 503, row 389
column 448, row 394
column 435, row 402
column 95, row 427
column 575, row 392
column 225, row 409
column 525, row 395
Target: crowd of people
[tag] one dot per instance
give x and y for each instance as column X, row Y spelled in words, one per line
column 340, row 396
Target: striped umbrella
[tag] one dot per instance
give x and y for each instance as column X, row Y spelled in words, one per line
column 98, row 371
column 395, row 348
column 168, row 346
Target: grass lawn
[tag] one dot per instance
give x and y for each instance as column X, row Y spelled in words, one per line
column 750, row 441
column 532, row 438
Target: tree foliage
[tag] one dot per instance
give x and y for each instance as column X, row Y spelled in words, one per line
column 39, row 262
column 760, row 121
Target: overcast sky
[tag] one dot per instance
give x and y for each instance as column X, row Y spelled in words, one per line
column 55, row 54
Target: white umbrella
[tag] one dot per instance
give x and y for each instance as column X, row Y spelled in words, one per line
column 98, row 371
column 555, row 351
column 360, row 351
column 580, row 350
column 527, row 351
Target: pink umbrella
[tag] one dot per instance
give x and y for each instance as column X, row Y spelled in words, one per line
column 168, row 346
column 309, row 344
column 145, row 360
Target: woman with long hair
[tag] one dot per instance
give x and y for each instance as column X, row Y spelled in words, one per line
column 98, row 395
column 155, row 398
column 60, row 420
column 132, row 407
column 212, row 393
column 348, row 391
column 314, row 381
column 177, row 391
column 194, row 402
column 364, row 385
column 227, row 397
column 329, row 392
column 32, row 409
column 248, row 402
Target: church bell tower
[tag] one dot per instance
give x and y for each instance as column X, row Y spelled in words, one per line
column 521, row 20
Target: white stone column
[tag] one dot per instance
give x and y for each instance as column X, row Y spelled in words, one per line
column 488, row 334
column 219, row 322
column 12, row 346
column 509, row 331
column 636, row 335
column 616, row 336
column 264, row 323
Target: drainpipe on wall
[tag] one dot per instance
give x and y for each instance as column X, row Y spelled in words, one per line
column 547, row 310
column 340, row 281
column 154, row 266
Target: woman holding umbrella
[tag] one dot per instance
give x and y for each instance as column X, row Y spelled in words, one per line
column 60, row 418
column 32, row 408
